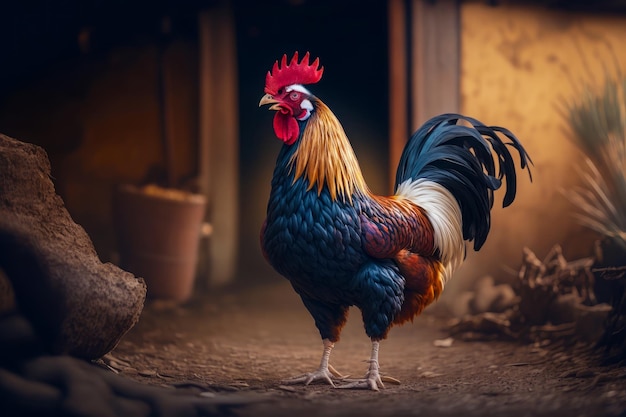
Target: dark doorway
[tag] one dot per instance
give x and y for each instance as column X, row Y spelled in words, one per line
column 350, row 38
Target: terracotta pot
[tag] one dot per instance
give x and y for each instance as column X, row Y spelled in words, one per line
column 158, row 232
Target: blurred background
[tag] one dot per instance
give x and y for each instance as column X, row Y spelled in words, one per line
column 167, row 92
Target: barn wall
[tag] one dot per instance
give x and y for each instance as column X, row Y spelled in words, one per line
column 517, row 64
column 98, row 118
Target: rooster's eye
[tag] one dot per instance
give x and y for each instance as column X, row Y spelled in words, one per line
column 294, row 96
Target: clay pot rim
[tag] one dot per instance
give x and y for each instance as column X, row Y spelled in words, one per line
column 152, row 191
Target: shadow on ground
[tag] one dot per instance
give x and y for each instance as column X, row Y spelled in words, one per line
column 247, row 341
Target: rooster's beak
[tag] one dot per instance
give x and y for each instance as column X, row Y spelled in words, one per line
column 268, row 99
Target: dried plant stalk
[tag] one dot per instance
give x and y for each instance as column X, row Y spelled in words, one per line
column 599, row 125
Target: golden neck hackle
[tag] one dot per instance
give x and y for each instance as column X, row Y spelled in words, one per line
column 325, row 157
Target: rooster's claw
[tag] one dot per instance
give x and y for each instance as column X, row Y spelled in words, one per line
column 323, row 374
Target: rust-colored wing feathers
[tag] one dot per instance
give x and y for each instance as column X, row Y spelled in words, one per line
column 395, row 224
column 423, row 283
column 398, row 229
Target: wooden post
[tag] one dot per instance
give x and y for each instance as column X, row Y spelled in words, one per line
column 398, row 84
column 205, row 103
column 435, row 63
column 166, row 115
column 219, row 139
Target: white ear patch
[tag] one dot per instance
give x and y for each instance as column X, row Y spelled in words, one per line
column 308, row 107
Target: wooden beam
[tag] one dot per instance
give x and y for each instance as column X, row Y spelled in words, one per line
column 398, row 84
column 435, row 61
column 205, row 102
column 219, row 139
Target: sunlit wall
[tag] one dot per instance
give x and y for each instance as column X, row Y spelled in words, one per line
column 518, row 64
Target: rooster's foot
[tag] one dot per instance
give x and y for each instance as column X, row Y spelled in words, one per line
column 373, row 380
column 325, row 374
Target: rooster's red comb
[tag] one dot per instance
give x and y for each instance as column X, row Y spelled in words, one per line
column 292, row 73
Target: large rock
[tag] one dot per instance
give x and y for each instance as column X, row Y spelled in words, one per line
column 77, row 304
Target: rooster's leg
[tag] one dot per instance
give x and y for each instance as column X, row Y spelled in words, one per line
column 373, row 380
column 325, row 372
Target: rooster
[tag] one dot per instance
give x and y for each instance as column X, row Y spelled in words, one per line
column 340, row 245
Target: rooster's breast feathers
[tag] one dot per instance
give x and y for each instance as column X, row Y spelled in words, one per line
column 323, row 223
column 328, row 248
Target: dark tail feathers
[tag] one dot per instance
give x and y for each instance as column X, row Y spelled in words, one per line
column 461, row 159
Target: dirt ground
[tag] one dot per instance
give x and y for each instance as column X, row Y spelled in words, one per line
column 247, row 341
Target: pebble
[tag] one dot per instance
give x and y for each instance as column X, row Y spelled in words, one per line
column 585, row 373
column 429, row 374
column 147, row 373
column 444, row 343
